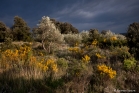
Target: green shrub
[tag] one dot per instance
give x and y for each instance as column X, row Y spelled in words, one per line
column 129, row 63
column 137, row 68
column 72, row 39
column 7, row 44
column 93, row 34
column 121, row 52
column 62, row 63
column 85, row 36
column 109, row 39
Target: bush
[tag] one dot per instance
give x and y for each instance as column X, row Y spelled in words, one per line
column 93, row 34
column 129, row 63
column 63, row 63
column 85, row 36
column 120, row 53
column 7, row 44
column 72, row 39
column 105, row 70
column 109, row 39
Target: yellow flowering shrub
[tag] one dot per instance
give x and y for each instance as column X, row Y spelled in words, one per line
column 24, row 52
column 113, row 38
column 76, row 44
column 76, row 50
column 100, row 56
column 11, row 57
column 24, row 55
column 86, row 59
column 86, row 46
column 103, row 69
column 94, row 43
column 33, row 61
column 49, row 64
column 105, row 40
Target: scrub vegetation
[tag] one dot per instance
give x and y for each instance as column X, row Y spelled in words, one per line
column 55, row 58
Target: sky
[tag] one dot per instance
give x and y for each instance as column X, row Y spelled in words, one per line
column 114, row 15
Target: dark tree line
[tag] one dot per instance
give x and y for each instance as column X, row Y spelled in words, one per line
column 20, row 31
column 65, row 27
column 4, row 32
column 133, row 39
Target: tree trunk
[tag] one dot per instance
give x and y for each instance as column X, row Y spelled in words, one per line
column 43, row 45
column 49, row 48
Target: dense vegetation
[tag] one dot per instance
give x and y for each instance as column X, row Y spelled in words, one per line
column 56, row 59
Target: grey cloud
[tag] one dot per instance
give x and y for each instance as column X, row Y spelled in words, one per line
column 115, row 15
column 99, row 14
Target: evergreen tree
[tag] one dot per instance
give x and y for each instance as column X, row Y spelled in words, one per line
column 4, row 32
column 133, row 39
column 65, row 27
column 93, row 34
column 21, row 32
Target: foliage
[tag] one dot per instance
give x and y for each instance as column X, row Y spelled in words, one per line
column 129, row 63
column 103, row 69
column 20, row 30
column 89, row 62
column 133, row 39
column 76, row 52
column 85, row 36
column 4, row 32
column 89, row 36
column 23, row 57
column 86, row 58
column 71, row 39
column 7, row 44
column 11, row 58
column 50, row 64
column 47, row 33
column 65, row 27
column 100, row 56
column 121, row 52
column 62, row 63
column 74, row 49
column 94, row 42
column 108, row 39
column 93, row 35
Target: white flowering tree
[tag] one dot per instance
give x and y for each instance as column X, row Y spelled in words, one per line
column 48, row 33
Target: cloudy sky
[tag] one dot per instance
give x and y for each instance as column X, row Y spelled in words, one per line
column 114, row 15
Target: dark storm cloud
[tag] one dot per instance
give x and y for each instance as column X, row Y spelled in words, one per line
column 115, row 15
column 103, row 14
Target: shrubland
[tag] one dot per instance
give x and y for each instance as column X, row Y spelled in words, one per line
column 85, row 62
